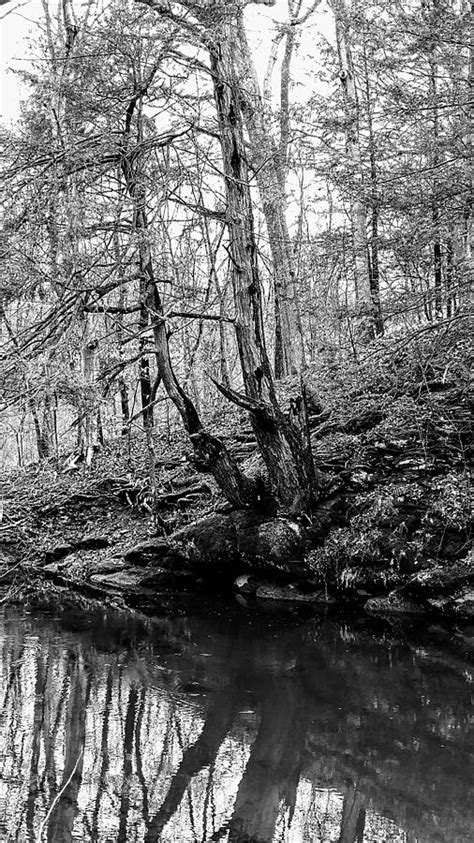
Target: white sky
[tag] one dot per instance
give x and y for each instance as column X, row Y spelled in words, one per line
column 19, row 20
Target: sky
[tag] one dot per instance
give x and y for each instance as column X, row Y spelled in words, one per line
column 20, row 19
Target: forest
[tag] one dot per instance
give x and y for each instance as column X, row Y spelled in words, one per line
column 235, row 274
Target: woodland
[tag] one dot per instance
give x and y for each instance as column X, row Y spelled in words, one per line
column 235, row 269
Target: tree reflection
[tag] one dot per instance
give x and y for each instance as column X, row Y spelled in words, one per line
column 200, row 730
column 65, row 805
column 273, row 770
column 202, row 753
column 353, row 816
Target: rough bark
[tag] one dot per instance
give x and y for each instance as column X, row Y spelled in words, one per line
column 283, row 447
column 374, row 268
column 435, row 162
column 283, row 441
column 269, row 170
column 366, row 317
column 211, row 454
column 468, row 233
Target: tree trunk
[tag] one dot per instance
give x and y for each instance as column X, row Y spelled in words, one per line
column 435, row 161
column 88, row 434
column 465, row 297
column 286, row 454
column 374, row 269
column 283, row 442
column 450, row 280
column 210, row 453
column 43, row 443
column 270, row 177
column 366, row 317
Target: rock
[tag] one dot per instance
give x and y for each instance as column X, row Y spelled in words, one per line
column 441, row 580
column 275, row 540
column 130, row 580
column 8, row 568
column 148, row 551
column 393, row 603
column 291, row 592
column 92, row 543
column 464, row 605
column 52, row 568
column 228, row 544
column 245, row 584
column 109, row 566
column 163, row 578
column 58, row 552
column 440, row 604
column 139, row 579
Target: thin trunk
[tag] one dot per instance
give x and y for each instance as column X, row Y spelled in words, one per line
column 438, row 268
column 211, row 455
column 87, row 425
column 122, row 302
column 435, row 161
column 358, row 214
column 467, row 291
column 374, row 269
column 450, row 282
column 270, row 177
column 42, row 442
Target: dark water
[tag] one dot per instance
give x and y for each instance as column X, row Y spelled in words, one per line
column 223, row 726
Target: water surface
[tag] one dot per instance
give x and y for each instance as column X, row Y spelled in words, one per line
column 220, row 725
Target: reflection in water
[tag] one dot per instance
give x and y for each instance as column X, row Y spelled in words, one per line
column 230, row 728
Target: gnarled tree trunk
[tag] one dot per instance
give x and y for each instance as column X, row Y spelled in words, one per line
column 283, row 441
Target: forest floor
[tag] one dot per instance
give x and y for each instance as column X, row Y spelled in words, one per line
column 391, row 433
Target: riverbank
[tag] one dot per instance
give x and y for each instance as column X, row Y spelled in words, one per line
column 390, row 435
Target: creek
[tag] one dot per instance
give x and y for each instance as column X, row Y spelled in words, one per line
column 217, row 723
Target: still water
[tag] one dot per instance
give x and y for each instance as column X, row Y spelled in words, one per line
column 221, row 725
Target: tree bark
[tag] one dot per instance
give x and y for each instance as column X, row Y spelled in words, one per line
column 283, row 441
column 269, row 171
column 286, row 454
column 210, row 453
column 366, row 317
column 374, row 268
